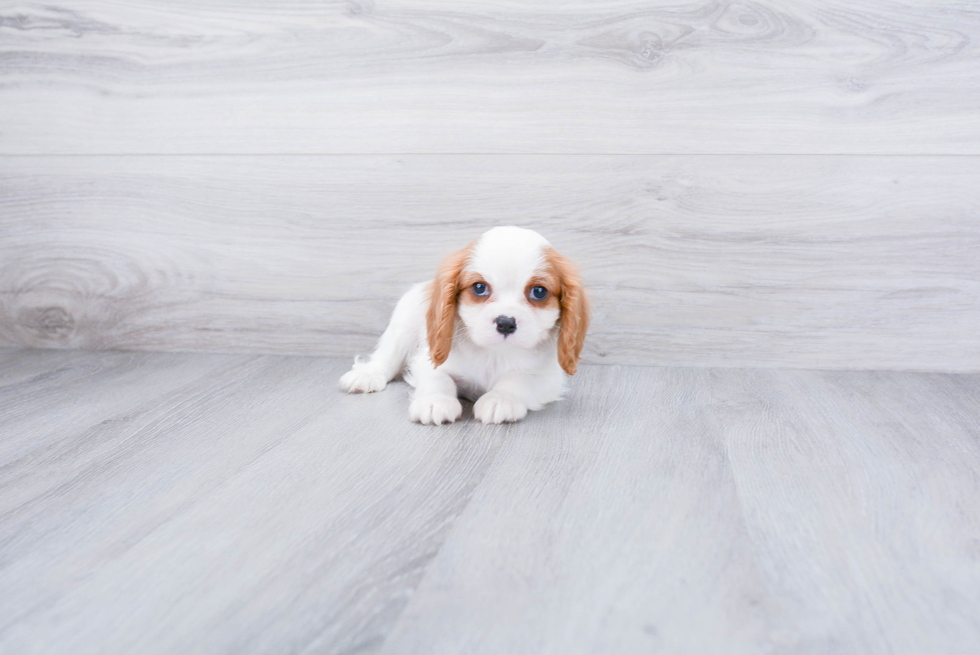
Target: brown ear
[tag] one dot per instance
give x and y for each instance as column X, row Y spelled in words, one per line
column 574, row 320
column 440, row 320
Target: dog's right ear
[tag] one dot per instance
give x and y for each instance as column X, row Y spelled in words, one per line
column 440, row 320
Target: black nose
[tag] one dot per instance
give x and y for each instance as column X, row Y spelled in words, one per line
column 506, row 324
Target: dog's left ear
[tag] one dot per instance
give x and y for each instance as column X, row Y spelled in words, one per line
column 440, row 320
column 574, row 319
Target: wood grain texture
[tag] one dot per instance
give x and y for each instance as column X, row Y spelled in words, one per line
column 161, row 503
column 501, row 76
column 165, row 503
column 889, row 461
column 615, row 530
column 819, row 262
column 736, row 511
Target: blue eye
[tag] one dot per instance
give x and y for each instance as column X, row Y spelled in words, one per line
column 538, row 293
column 481, row 289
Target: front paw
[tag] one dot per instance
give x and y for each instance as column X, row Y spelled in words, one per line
column 435, row 410
column 494, row 407
column 363, row 379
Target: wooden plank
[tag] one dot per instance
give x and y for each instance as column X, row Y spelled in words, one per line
column 682, row 510
column 860, row 492
column 257, row 510
column 490, row 76
column 19, row 367
column 609, row 524
column 820, row 262
column 79, row 392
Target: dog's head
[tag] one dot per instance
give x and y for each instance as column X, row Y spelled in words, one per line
column 510, row 289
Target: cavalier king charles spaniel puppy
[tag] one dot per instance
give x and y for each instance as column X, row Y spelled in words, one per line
column 501, row 324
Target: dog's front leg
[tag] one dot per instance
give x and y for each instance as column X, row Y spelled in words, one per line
column 434, row 401
column 514, row 393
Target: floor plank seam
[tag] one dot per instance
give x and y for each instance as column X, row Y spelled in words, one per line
column 451, row 529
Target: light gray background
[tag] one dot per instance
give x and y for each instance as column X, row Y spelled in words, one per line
column 788, row 184
column 751, row 185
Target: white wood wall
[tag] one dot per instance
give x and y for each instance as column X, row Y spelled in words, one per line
column 743, row 183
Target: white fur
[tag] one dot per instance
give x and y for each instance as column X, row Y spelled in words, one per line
column 506, row 376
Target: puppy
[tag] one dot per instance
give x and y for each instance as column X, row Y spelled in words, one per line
column 502, row 323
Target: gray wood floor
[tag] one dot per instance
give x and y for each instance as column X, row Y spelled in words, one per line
column 162, row 503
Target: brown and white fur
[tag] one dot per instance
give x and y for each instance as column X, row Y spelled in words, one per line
column 482, row 330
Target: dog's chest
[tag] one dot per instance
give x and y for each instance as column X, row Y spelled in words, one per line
column 469, row 389
column 474, row 373
column 475, row 370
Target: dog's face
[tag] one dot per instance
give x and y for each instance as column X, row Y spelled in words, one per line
column 510, row 289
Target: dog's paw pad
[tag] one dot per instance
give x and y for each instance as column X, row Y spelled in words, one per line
column 435, row 410
column 493, row 407
column 362, row 380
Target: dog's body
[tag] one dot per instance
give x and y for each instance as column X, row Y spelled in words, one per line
column 501, row 324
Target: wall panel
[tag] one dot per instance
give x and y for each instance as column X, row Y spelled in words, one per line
column 827, row 262
column 490, row 76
